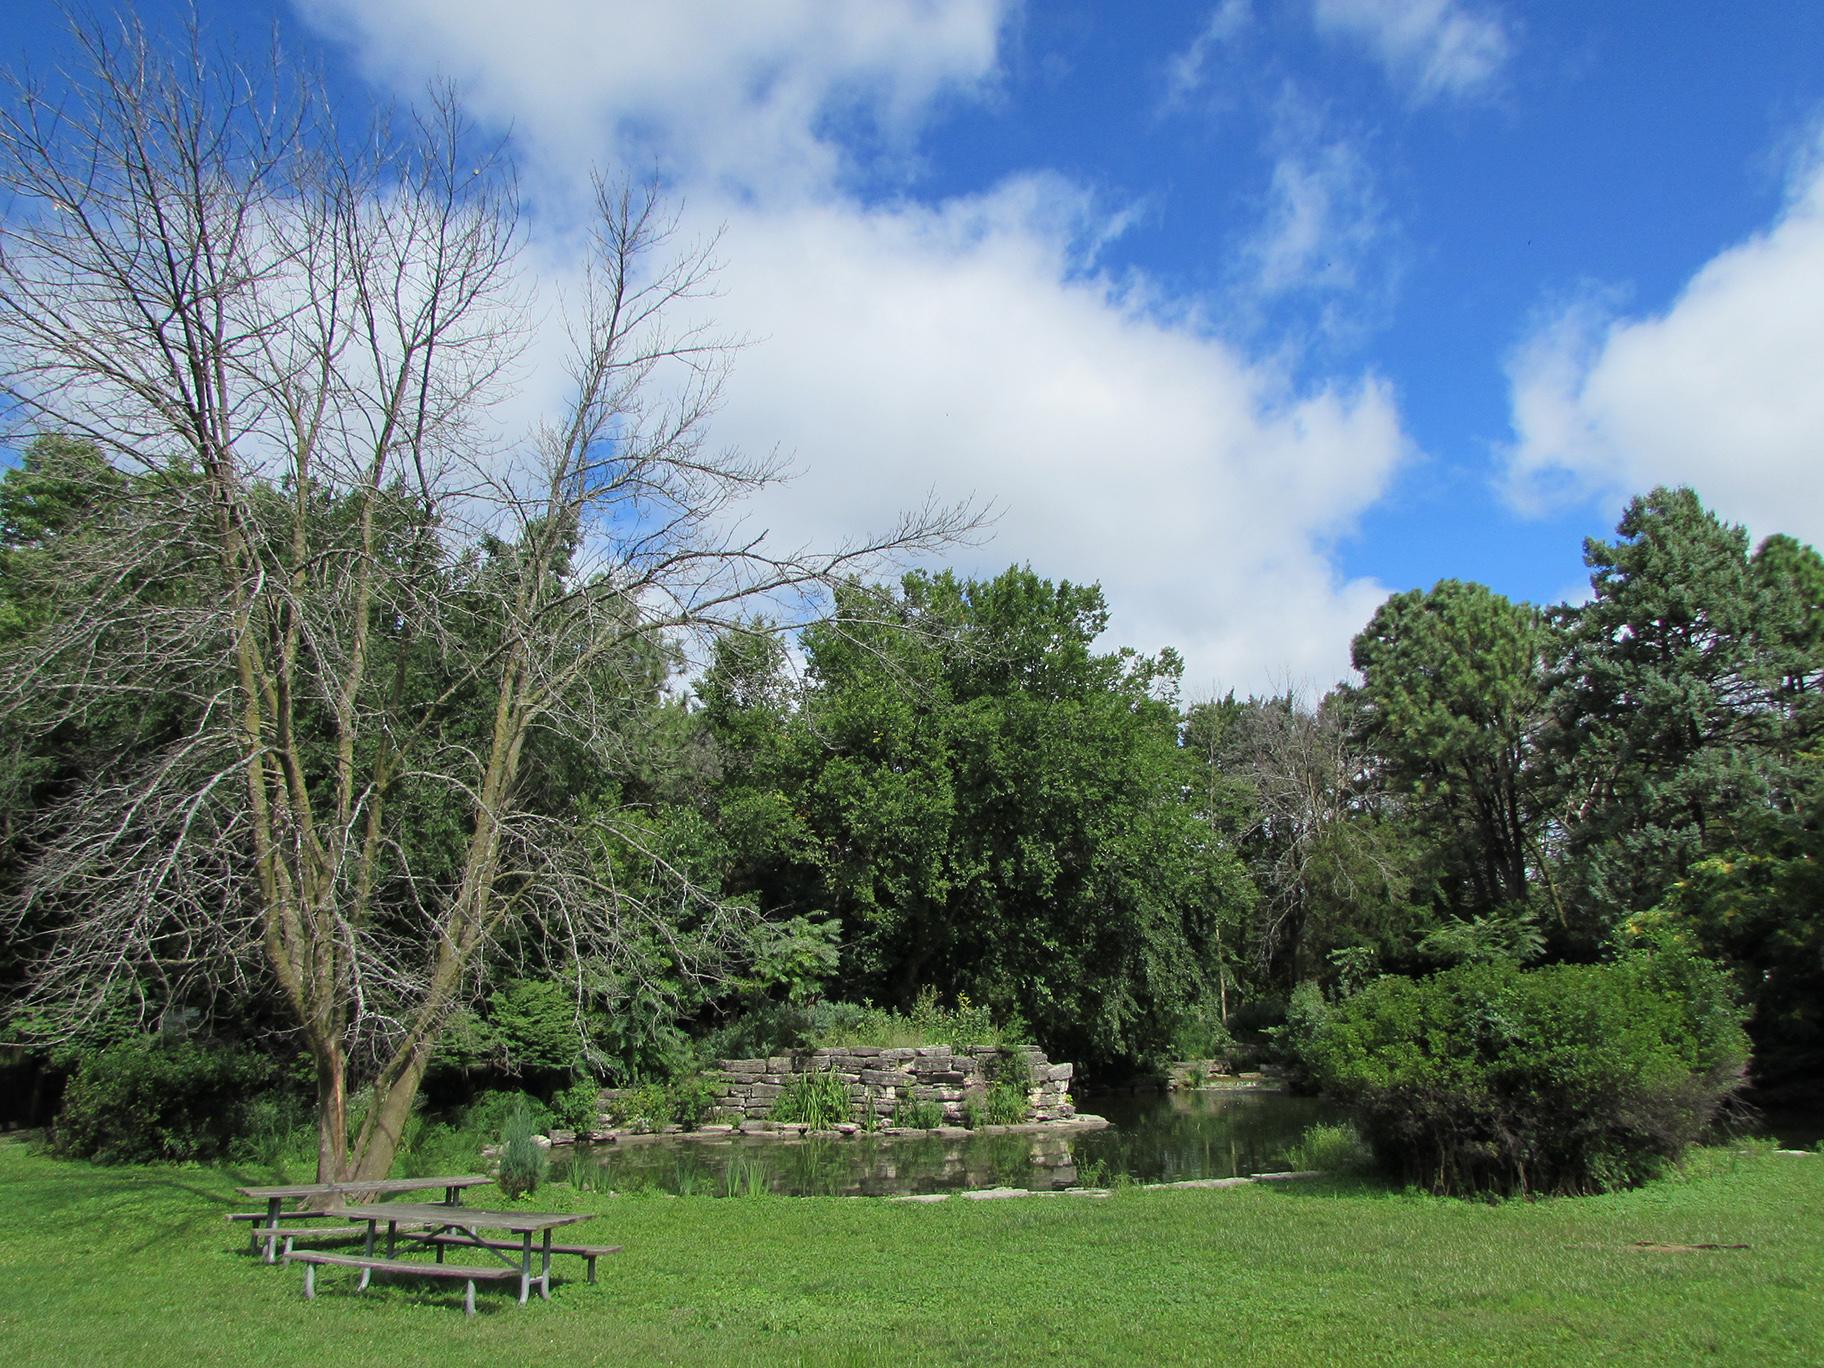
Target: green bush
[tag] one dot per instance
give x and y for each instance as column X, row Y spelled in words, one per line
column 918, row 1113
column 522, row 1162
column 1333, row 1147
column 488, row 1114
column 819, row 1100
column 149, row 1099
column 1306, row 1012
column 927, row 1022
column 577, row 1107
column 648, row 1106
column 692, row 1100
column 1487, row 1078
column 1005, row 1105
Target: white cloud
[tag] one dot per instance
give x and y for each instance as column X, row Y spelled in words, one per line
column 963, row 349
column 1187, row 71
column 1323, row 223
column 742, row 92
column 969, row 347
column 1432, row 47
column 1720, row 391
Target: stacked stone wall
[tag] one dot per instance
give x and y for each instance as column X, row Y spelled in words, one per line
column 881, row 1077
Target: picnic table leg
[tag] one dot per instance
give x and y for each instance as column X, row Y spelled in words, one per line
column 367, row 1252
column 544, row 1277
column 310, row 1282
column 525, row 1266
column 272, row 1219
column 392, row 1237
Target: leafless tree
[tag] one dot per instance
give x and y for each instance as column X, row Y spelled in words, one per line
column 1313, row 851
column 293, row 339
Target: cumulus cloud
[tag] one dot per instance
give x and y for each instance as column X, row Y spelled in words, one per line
column 965, row 349
column 971, row 346
column 1719, row 391
column 1431, row 47
column 747, row 93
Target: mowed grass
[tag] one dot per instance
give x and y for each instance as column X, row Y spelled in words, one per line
column 136, row 1266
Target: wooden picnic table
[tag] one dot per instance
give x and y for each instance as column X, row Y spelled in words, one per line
column 444, row 1218
column 275, row 1198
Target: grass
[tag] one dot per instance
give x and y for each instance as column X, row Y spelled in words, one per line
column 137, row 1265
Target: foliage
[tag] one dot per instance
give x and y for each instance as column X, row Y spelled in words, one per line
column 646, row 1106
column 692, row 1100
column 578, row 1107
column 490, row 1112
column 1201, row 1034
column 148, row 1098
column 815, row 1098
column 918, row 1113
column 1329, row 1146
column 1570, row 1078
column 1451, row 699
column 1294, row 1039
column 522, row 1160
column 1005, row 1105
column 927, row 1022
column 987, row 806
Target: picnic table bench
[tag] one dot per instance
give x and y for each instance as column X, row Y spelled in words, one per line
column 443, row 1219
column 275, row 1223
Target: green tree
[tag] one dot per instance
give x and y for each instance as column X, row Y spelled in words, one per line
column 992, row 807
column 1449, row 709
column 1661, row 700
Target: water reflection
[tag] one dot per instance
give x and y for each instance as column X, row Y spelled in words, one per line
column 1155, row 1137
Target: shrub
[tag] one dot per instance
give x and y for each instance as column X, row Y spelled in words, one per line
column 1005, row 1105
column 522, row 1162
column 577, row 1107
column 819, row 1100
column 1306, row 1011
column 1574, row 1078
column 649, row 1105
column 692, row 1100
column 915, row 1113
column 928, row 1022
column 149, row 1099
column 1334, row 1147
column 489, row 1113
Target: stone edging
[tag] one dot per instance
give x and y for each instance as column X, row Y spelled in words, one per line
column 791, row 1131
column 995, row 1194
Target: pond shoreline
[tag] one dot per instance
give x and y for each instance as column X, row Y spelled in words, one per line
column 791, row 1131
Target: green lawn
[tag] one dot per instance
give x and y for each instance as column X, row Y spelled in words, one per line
column 137, row 1267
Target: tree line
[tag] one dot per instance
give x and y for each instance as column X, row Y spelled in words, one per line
column 337, row 721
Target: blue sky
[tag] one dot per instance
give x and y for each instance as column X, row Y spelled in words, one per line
column 1252, row 311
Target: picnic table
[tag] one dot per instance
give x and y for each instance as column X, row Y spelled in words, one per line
column 272, row 1225
column 453, row 1226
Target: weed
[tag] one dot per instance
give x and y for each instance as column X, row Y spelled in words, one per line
column 522, row 1162
column 1335, row 1148
column 744, row 1178
column 918, row 1113
column 819, row 1100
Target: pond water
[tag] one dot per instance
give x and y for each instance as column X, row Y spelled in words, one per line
column 1154, row 1137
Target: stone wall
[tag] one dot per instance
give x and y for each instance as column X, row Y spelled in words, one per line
column 879, row 1077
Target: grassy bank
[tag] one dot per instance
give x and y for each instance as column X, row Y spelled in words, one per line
column 137, row 1265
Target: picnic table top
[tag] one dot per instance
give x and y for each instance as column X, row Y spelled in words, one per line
column 468, row 1218
column 364, row 1185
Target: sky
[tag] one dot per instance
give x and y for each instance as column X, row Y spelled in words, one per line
column 1253, row 312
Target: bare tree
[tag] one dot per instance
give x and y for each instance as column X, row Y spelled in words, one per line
column 293, row 338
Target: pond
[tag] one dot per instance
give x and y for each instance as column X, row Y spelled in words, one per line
column 1154, row 1137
